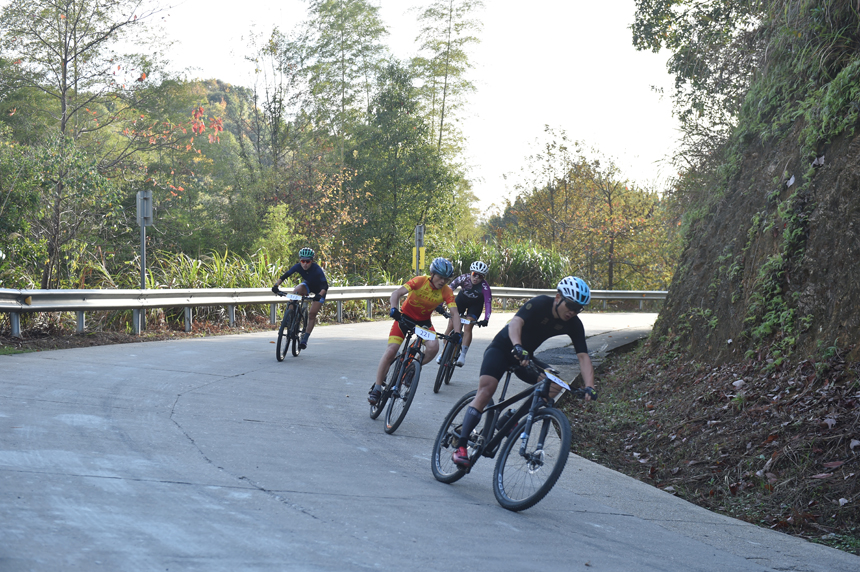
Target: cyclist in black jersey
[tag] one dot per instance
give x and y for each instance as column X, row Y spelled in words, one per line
column 314, row 281
column 536, row 321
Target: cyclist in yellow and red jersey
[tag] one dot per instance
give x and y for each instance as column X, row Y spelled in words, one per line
column 423, row 295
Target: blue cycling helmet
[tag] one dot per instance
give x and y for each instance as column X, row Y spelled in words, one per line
column 575, row 289
column 442, row 267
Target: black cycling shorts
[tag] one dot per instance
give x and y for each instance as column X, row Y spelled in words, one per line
column 471, row 308
column 496, row 362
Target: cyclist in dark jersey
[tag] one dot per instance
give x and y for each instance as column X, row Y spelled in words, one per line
column 314, row 281
column 538, row 320
column 475, row 296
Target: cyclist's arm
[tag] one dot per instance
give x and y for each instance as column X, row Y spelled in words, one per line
column 587, row 370
column 515, row 333
column 488, row 301
column 396, row 295
column 287, row 274
column 455, row 318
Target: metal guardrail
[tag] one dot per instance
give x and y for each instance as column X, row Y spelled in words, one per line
column 16, row 302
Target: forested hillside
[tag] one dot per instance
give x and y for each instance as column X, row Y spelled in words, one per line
column 746, row 398
column 337, row 145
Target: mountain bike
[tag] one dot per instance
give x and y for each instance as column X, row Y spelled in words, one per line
column 293, row 325
column 534, row 441
column 450, row 355
column 401, row 385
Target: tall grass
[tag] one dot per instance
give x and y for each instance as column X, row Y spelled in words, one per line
column 514, row 265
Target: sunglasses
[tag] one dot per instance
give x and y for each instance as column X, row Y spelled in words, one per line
column 305, row 261
column 478, row 275
column 573, row 306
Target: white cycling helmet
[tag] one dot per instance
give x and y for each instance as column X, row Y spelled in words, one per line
column 575, row 289
column 479, row 267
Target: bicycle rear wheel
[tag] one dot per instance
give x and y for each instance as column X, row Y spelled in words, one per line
column 444, row 365
column 448, row 439
column 284, row 335
column 520, row 482
column 401, row 400
column 295, row 332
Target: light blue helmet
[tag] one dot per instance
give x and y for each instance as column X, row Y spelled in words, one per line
column 442, row 267
column 306, row 253
column 575, row 289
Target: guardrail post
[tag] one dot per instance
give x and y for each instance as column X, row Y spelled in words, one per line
column 188, row 319
column 340, row 311
column 273, row 314
column 15, row 318
column 504, row 304
column 604, row 304
column 640, row 305
column 81, row 322
column 231, row 312
column 369, row 309
column 136, row 322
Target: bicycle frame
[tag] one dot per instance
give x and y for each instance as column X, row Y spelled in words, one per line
column 413, row 348
column 539, row 398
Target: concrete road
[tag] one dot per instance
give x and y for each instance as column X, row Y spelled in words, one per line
column 208, row 454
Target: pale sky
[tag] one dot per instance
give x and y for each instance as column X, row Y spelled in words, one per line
column 569, row 64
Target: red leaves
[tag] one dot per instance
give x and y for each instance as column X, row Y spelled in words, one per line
column 142, row 77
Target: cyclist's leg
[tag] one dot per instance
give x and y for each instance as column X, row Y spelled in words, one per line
column 382, row 368
column 492, row 369
column 431, row 348
column 312, row 315
column 472, row 313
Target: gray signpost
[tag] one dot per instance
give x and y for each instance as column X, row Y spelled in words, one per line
column 418, row 255
column 144, row 219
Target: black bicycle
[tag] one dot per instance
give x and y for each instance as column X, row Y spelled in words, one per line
column 401, row 385
column 450, row 355
column 523, row 474
column 293, row 325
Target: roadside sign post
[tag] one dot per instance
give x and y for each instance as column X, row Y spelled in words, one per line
column 144, row 219
column 418, row 251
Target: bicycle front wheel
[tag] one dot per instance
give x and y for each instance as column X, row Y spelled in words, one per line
column 455, row 355
column 401, row 400
column 284, row 335
column 520, row 481
column 393, row 374
column 444, row 365
column 448, row 439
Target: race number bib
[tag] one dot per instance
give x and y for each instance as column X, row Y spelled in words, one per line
column 292, row 296
column 556, row 380
column 465, row 321
column 425, row 334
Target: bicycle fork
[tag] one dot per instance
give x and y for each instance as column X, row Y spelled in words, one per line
column 534, row 459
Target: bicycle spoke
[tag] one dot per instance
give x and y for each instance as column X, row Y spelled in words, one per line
column 522, row 479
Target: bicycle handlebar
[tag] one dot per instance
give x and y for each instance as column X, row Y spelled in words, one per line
column 447, row 315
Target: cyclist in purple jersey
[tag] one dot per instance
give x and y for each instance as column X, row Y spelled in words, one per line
column 538, row 320
column 314, row 281
column 474, row 296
